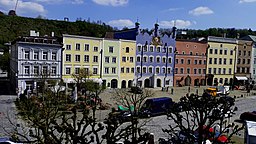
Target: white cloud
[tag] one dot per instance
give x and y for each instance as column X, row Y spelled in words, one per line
column 111, row 2
column 246, row 1
column 60, row 1
column 178, row 23
column 201, row 11
column 77, row 1
column 22, row 7
column 121, row 23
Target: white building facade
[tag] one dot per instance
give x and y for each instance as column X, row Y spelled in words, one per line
column 33, row 59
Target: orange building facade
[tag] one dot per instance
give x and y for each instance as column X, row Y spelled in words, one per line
column 190, row 63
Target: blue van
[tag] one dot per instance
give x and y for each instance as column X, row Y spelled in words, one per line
column 156, row 106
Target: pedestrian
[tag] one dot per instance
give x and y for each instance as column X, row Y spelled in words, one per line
column 189, row 89
column 196, row 91
column 172, row 91
column 167, row 89
column 199, row 85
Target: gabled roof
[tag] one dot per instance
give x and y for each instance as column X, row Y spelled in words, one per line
column 249, row 37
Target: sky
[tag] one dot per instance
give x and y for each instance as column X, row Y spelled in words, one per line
column 191, row 14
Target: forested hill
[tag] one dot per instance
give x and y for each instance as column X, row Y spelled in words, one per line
column 13, row 26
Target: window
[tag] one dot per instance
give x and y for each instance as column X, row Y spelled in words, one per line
column 158, row 59
column 77, row 70
column 189, row 61
column 77, row 58
column 224, row 70
column 200, row 62
column 127, row 70
column 144, row 69
column 254, row 71
column 145, row 48
column 182, row 61
column 68, row 47
column 243, row 70
column 219, row 71
column 181, row 70
column 77, row 47
column 195, row 62
column 113, row 70
column 230, row 61
column 36, row 55
column 188, row 70
column 190, row 53
column 86, row 70
column 95, row 49
column 176, row 61
column 127, row 49
column 86, row 47
column 151, row 48
column 151, row 59
column 176, row 70
column 231, row 52
column 248, row 61
column 123, row 59
column 86, row 58
column 95, row 58
column 195, row 71
column 45, row 69
column 210, row 60
column 95, row 71
column 54, row 56
column 113, row 59
column 110, row 49
column 215, row 60
column 229, row 71
column 36, row 70
column 210, row 70
column 106, row 70
column 196, row 53
column 163, row 70
column 224, row 61
column 106, row 59
column 254, row 62
column 220, row 60
column 163, row 60
column 131, row 59
column 244, row 53
column 249, row 53
column 243, row 61
column 45, row 55
column 170, row 50
column 238, row 70
column 122, row 70
column 215, row 51
column 68, row 57
column 221, row 51
column 26, row 70
column 225, row 52
column 157, row 70
column 239, row 52
column 204, row 71
column 138, row 69
column 27, row 56
column 214, row 71
column 211, row 51
column 170, row 60
column 205, row 62
column 199, row 71
column 248, row 70
column 183, row 52
column 238, row 61
column 54, row 70
column 138, row 58
column 150, row 70
column 139, row 48
column 132, row 70
column 145, row 59
column 68, row 71
column 158, row 49
column 168, row 70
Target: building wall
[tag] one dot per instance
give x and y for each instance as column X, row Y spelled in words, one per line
column 244, row 58
column 223, row 73
column 190, row 63
column 93, row 64
column 156, row 48
column 254, row 62
column 111, row 78
column 128, row 50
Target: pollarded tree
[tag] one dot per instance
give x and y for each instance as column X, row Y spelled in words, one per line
column 127, row 127
column 196, row 119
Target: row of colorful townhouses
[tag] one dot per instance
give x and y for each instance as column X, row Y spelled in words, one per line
column 131, row 57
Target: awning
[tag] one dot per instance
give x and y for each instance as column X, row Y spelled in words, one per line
column 241, row 78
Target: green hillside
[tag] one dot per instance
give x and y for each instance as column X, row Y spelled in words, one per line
column 13, row 26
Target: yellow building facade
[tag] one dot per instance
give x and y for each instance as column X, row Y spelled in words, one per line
column 127, row 63
column 81, row 52
column 221, row 60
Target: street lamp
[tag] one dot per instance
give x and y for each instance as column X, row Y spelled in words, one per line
column 101, row 63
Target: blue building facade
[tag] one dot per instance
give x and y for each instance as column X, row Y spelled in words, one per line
column 155, row 59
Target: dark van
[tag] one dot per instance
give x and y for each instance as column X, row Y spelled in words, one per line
column 156, row 106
